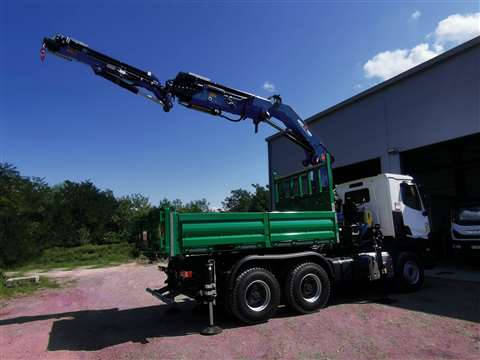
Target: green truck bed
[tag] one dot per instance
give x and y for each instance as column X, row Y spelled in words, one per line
column 311, row 190
column 193, row 233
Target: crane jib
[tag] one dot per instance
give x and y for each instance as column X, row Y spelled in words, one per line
column 193, row 91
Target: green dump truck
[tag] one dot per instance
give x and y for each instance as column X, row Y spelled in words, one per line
column 252, row 262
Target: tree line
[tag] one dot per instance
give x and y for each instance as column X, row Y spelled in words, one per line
column 35, row 216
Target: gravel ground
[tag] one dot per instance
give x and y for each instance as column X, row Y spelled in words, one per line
column 106, row 314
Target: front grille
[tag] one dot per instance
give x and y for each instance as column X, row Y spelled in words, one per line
column 466, row 237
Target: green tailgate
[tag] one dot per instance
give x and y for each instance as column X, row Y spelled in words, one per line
column 187, row 233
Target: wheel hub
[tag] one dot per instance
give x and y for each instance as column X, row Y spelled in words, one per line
column 310, row 287
column 257, row 295
column 411, row 272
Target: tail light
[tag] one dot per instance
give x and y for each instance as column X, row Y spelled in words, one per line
column 186, row 274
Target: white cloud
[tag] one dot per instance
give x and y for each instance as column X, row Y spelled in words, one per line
column 450, row 31
column 457, row 28
column 267, row 85
column 387, row 64
column 357, row 86
column 415, row 15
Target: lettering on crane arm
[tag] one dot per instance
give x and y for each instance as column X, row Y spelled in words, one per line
column 304, row 126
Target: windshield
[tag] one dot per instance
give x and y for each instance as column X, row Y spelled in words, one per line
column 468, row 215
column 410, row 196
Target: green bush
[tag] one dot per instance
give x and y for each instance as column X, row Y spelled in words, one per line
column 112, row 237
column 83, row 235
column 35, row 216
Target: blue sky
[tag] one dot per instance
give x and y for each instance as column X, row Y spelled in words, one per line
column 59, row 121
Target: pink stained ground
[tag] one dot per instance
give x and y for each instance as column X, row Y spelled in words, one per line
column 106, row 314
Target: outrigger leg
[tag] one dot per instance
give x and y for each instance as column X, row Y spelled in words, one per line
column 209, row 294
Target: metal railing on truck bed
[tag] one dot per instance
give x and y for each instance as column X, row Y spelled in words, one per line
column 308, row 189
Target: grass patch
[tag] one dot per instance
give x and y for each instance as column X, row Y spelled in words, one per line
column 26, row 288
column 85, row 255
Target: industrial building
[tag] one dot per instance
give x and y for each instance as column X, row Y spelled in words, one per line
column 424, row 122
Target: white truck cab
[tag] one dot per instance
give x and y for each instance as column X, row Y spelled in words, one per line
column 394, row 202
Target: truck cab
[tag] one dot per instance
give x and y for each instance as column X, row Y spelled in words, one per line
column 394, row 204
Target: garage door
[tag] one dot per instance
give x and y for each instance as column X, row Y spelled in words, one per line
column 448, row 172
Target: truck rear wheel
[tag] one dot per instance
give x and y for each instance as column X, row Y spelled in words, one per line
column 409, row 272
column 307, row 288
column 255, row 296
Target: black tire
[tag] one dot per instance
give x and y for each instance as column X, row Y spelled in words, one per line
column 409, row 272
column 255, row 296
column 307, row 288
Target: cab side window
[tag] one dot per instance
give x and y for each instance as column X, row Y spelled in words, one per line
column 360, row 196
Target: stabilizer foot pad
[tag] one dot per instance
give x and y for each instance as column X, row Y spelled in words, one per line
column 385, row 300
column 211, row 330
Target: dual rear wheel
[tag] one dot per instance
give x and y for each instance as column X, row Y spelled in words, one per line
column 255, row 296
column 256, row 293
column 307, row 288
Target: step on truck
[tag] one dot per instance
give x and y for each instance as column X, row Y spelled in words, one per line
column 250, row 263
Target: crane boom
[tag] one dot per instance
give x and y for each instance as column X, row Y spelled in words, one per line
column 195, row 92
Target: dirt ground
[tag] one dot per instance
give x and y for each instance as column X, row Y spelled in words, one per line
column 106, row 314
